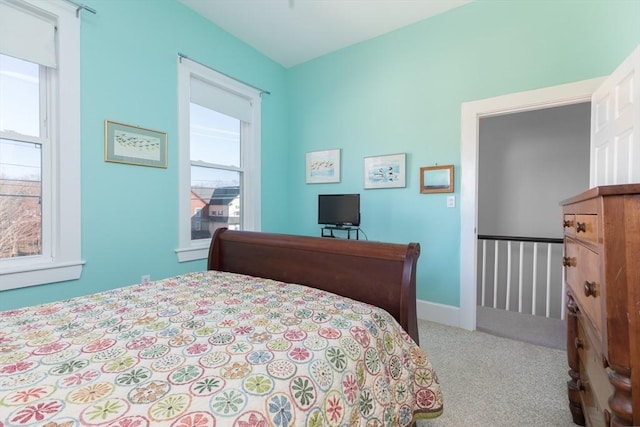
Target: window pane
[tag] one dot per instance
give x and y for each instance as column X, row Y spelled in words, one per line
column 19, row 96
column 20, row 199
column 215, row 138
column 215, row 201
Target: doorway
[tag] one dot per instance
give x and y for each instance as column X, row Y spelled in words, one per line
column 527, row 163
column 472, row 112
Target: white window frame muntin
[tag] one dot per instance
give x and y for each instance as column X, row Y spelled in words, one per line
column 64, row 262
column 190, row 250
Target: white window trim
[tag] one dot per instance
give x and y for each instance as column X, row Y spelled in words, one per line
column 64, row 262
column 188, row 249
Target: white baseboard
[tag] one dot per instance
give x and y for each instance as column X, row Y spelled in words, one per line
column 439, row 313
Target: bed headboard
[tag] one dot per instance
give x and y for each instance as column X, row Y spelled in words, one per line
column 381, row 274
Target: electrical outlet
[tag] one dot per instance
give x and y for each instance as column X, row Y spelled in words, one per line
column 451, row 201
column 145, row 279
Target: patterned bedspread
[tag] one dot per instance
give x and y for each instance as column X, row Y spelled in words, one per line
column 211, row 349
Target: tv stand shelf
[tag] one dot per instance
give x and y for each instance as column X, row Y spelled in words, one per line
column 328, row 231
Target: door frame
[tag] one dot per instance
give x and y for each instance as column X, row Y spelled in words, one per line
column 472, row 112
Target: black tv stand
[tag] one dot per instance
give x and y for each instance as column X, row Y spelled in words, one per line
column 328, row 231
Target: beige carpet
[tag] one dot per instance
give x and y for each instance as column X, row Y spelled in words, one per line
column 537, row 330
column 492, row 381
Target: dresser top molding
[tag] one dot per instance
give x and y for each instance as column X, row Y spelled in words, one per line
column 604, row 190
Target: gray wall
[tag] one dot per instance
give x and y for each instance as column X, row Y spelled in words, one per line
column 528, row 163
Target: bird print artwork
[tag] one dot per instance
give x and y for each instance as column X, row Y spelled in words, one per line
column 128, row 144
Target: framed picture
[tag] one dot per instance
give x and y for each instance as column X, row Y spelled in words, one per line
column 323, row 166
column 385, row 171
column 436, row 179
column 134, row 145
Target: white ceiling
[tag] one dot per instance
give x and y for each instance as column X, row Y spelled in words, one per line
column 294, row 31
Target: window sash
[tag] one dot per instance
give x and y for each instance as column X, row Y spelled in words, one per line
column 45, row 83
column 214, row 137
column 217, row 210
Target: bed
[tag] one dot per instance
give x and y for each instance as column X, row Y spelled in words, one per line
column 280, row 330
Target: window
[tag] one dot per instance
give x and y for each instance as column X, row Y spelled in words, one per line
column 21, row 158
column 39, row 175
column 219, row 157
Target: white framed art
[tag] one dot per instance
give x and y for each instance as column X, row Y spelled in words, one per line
column 385, row 171
column 323, row 166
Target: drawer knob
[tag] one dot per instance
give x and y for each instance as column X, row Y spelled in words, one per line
column 578, row 343
column 589, row 289
column 567, row 261
column 581, row 226
column 580, row 385
column 567, row 223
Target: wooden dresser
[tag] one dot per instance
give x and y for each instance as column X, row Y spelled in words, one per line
column 602, row 271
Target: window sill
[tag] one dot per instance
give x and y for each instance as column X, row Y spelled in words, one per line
column 39, row 274
column 193, row 253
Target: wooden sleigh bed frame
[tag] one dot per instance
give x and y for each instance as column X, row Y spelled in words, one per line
column 216, row 348
column 380, row 274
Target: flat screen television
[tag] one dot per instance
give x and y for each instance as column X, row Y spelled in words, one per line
column 339, row 210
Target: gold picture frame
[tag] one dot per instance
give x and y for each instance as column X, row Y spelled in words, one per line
column 436, row 179
column 134, row 145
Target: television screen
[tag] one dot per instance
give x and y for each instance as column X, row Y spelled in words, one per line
column 339, row 209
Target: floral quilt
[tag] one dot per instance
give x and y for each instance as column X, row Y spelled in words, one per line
column 211, row 349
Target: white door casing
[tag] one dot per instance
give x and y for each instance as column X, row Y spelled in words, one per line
column 615, row 149
column 615, row 126
column 554, row 96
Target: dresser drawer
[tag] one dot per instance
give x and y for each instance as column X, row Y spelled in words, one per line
column 569, row 225
column 593, row 413
column 586, row 228
column 583, row 274
column 594, row 370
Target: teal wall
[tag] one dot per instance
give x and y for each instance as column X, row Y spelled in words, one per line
column 129, row 74
column 399, row 93
column 402, row 93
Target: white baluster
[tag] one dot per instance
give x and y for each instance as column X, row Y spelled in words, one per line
column 495, row 274
column 520, row 273
column 535, row 278
column 484, row 270
column 508, row 275
column 549, row 247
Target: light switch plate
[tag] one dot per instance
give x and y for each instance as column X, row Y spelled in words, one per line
column 451, row 201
